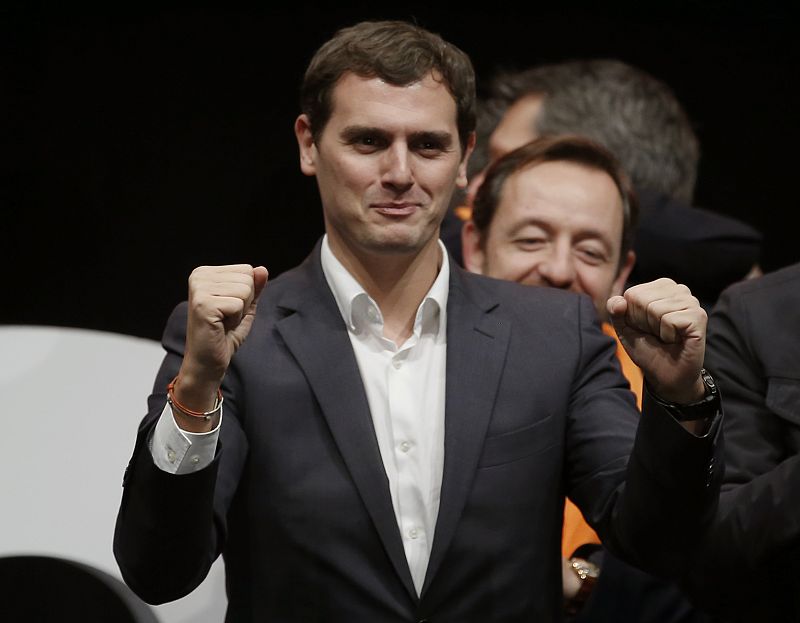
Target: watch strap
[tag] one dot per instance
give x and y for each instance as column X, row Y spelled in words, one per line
column 707, row 407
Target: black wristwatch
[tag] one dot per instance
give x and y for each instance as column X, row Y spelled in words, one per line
column 705, row 408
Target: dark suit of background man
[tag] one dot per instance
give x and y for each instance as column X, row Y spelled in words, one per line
column 746, row 574
column 398, row 435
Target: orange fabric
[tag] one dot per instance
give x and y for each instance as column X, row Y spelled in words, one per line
column 629, row 369
column 463, row 212
column 576, row 531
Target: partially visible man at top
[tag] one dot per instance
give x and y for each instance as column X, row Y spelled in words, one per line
column 639, row 119
column 630, row 113
column 398, row 435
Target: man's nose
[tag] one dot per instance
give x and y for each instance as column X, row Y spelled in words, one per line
column 558, row 268
column 396, row 172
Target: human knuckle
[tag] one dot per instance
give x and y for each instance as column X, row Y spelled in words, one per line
column 199, row 304
column 240, row 269
column 200, row 271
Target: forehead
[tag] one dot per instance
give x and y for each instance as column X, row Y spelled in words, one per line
column 517, row 126
column 566, row 195
column 425, row 105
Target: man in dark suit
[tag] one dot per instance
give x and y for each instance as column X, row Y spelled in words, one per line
column 398, row 436
column 754, row 352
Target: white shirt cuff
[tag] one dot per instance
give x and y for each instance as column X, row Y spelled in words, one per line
column 177, row 451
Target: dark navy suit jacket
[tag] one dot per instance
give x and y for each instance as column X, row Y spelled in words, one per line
column 298, row 502
column 754, row 353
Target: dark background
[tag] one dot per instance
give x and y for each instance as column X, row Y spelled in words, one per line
column 138, row 143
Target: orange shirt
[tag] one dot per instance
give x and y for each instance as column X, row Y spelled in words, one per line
column 576, row 531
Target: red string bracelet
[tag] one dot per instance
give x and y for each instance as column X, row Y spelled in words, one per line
column 203, row 415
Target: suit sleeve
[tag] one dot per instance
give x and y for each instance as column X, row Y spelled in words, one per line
column 755, row 436
column 671, row 478
column 170, row 528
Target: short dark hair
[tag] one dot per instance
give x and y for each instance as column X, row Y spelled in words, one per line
column 631, row 113
column 395, row 51
column 575, row 149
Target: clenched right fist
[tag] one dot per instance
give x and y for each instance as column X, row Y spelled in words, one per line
column 222, row 306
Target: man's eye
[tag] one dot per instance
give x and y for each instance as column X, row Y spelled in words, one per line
column 367, row 142
column 529, row 244
column 592, row 256
column 429, row 148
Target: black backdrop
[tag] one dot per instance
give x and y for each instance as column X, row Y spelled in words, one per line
column 139, row 143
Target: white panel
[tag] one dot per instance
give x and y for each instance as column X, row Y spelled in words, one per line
column 70, row 403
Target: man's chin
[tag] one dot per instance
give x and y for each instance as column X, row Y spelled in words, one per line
column 395, row 247
column 398, row 241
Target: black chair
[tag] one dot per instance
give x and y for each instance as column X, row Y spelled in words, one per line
column 44, row 589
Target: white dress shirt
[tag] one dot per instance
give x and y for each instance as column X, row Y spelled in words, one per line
column 405, row 387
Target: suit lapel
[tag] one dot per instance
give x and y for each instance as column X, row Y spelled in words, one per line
column 476, row 348
column 315, row 333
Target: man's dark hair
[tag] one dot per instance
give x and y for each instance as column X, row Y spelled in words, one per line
column 635, row 116
column 397, row 52
column 574, row 149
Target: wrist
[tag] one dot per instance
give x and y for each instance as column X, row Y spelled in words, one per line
column 587, row 574
column 571, row 583
column 690, row 394
column 197, row 392
column 187, row 415
column 706, row 406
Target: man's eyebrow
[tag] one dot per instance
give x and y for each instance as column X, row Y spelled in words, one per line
column 352, row 132
column 443, row 139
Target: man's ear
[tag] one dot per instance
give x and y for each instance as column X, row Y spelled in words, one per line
column 618, row 287
column 305, row 141
column 471, row 248
column 474, row 185
column 461, row 180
